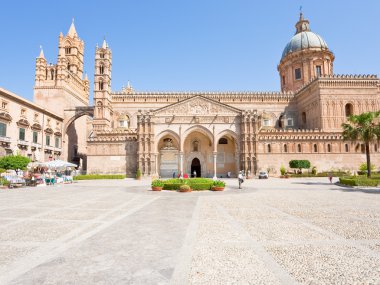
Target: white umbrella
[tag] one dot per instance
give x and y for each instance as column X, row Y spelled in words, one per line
column 58, row 164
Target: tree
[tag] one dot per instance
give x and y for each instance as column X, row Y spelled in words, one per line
column 364, row 127
column 14, row 162
column 299, row 164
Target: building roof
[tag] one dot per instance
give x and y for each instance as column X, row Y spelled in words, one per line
column 304, row 39
column 12, row 96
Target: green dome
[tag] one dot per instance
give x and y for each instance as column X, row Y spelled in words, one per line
column 304, row 40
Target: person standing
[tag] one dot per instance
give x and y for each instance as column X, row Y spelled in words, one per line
column 240, row 178
column 194, row 174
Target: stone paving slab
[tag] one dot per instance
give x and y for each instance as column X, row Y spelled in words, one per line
column 293, row 231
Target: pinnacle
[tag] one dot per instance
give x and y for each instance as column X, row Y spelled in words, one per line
column 72, row 31
column 41, row 53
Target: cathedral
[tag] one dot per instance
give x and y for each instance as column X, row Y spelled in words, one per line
column 210, row 134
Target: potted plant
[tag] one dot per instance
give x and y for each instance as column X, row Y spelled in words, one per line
column 157, row 185
column 185, row 188
column 138, row 174
column 218, row 185
column 4, row 183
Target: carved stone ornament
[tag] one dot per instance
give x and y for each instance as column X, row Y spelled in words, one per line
column 198, row 107
column 168, row 144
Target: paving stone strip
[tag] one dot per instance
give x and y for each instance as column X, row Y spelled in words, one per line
column 182, row 270
column 338, row 238
column 54, row 248
column 50, row 211
column 275, row 268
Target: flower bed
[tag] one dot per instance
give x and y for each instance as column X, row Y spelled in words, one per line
column 196, row 184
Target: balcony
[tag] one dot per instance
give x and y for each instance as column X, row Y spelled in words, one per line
column 35, row 145
column 22, row 144
column 49, row 148
column 5, row 140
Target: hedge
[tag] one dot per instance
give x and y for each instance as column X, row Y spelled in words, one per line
column 194, row 183
column 321, row 174
column 99, row 176
column 359, row 181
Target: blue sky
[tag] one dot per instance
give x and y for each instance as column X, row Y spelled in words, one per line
column 188, row 45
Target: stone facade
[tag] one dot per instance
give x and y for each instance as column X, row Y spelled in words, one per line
column 219, row 133
column 208, row 133
column 28, row 129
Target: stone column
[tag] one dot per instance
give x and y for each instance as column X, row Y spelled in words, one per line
column 215, row 177
column 181, row 164
column 155, row 164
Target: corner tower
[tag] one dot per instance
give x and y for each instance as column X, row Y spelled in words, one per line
column 305, row 56
column 102, row 88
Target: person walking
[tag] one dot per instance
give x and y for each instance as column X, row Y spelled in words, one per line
column 240, row 178
column 330, row 177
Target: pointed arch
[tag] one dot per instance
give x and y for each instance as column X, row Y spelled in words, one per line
column 197, row 128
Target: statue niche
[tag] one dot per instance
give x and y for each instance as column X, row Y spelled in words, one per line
column 168, row 158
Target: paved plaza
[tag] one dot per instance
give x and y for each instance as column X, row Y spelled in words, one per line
column 275, row 231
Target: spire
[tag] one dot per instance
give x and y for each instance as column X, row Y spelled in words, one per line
column 302, row 24
column 41, row 53
column 104, row 45
column 72, row 32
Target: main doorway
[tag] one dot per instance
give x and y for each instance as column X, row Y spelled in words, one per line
column 196, row 166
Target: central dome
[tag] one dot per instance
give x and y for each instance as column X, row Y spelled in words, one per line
column 304, row 40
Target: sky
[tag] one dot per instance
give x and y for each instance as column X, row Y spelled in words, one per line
column 186, row 45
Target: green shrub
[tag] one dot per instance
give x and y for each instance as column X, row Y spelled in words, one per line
column 99, row 176
column 314, row 170
column 14, row 162
column 363, row 167
column 184, row 187
column 4, row 182
column 299, row 164
column 157, row 183
column 2, row 170
column 282, row 170
column 219, row 183
column 201, row 186
column 194, row 183
column 138, row 173
column 359, row 181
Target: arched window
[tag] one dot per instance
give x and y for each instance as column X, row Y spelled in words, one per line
column 375, row 147
column 349, row 109
column 195, row 146
column 52, row 74
column 285, row 148
column 223, row 141
column 102, row 55
column 328, row 147
column 315, row 148
column 101, row 85
column 68, row 66
column 346, row 147
column 124, row 121
column 299, row 148
column 101, row 69
column 269, row 148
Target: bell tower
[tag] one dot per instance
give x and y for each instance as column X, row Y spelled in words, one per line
column 62, row 83
column 102, row 88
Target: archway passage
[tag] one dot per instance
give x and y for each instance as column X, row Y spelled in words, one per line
column 196, row 167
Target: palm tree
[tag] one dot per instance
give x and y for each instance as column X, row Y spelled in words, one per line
column 364, row 127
